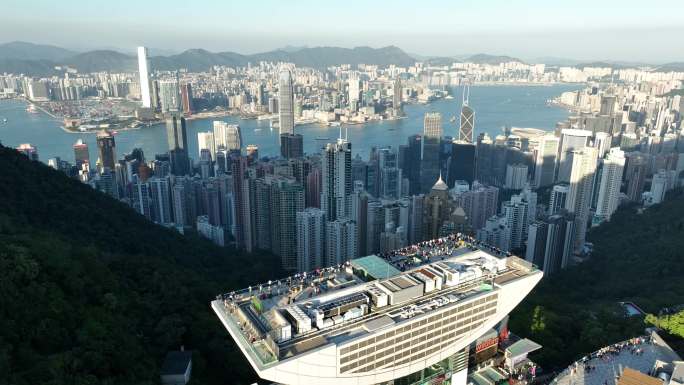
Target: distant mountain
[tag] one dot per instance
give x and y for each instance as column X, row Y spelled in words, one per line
column 201, row 60
column 442, row 60
column 27, row 67
column 675, row 66
column 292, row 48
column 491, row 59
column 322, row 57
column 197, row 60
column 95, row 61
column 555, row 61
column 20, row 50
column 602, row 64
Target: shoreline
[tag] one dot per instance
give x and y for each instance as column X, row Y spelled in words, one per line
column 209, row 115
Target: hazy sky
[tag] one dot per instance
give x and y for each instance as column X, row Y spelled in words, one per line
column 651, row 31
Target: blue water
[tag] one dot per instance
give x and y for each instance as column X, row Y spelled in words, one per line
column 495, row 107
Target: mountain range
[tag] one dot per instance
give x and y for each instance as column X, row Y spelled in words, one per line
column 41, row 60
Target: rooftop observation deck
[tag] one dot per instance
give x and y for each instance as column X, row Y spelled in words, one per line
column 606, row 365
column 280, row 319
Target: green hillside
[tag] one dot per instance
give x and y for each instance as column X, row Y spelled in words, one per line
column 637, row 257
column 91, row 292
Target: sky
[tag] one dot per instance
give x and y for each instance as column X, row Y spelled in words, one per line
column 627, row 30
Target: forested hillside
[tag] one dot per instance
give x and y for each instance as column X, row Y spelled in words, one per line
column 91, row 292
column 638, row 256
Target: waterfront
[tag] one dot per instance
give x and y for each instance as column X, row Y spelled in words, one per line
column 495, row 107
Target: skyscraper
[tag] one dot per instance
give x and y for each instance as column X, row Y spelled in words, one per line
column 480, row 203
column 396, row 97
column 291, row 146
column 516, row 213
column 142, row 202
column 516, row 176
column 410, row 163
column 227, row 136
column 432, row 125
column 287, row 198
column 169, row 95
column 571, row 140
column 29, row 150
column 354, row 91
column 390, row 174
column 635, row 176
column 337, row 181
column 467, row 126
column 160, row 199
column 205, row 141
column 609, row 185
column 310, row 239
column 81, row 154
column 549, row 242
column 559, row 194
column 178, row 145
column 545, row 161
column 286, row 102
column 578, row 202
column 340, row 241
column 432, row 133
column 461, row 163
column 106, row 146
column 143, row 70
column 186, row 98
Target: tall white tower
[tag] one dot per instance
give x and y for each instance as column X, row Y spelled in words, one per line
column 143, row 69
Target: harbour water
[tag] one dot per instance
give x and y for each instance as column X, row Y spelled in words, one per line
column 495, row 107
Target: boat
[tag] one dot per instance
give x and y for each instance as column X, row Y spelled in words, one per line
column 453, row 119
column 4, row 120
column 448, row 97
column 322, row 138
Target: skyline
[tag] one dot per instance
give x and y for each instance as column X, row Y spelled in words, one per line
column 531, row 30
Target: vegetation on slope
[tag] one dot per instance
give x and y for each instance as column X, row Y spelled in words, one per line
column 637, row 257
column 91, row 292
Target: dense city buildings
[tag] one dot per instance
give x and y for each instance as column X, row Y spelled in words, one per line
column 622, row 142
